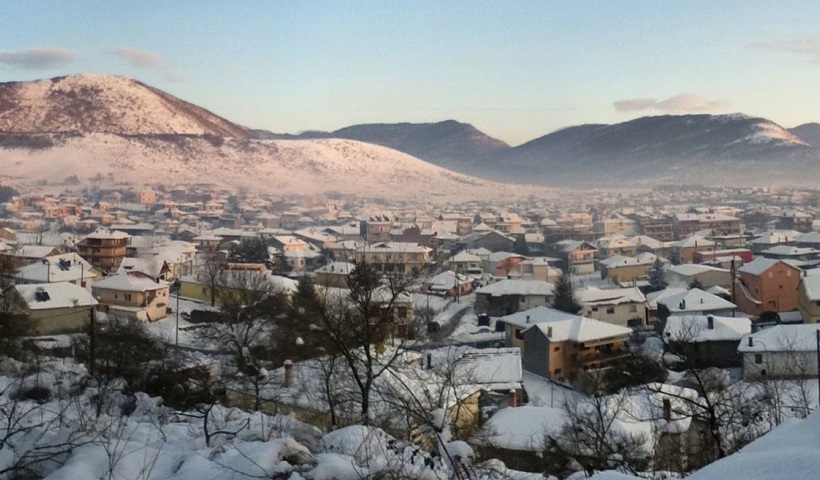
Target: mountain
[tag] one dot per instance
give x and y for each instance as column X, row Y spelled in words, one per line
column 449, row 144
column 104, row 104
column 98, row 126
column 808, row 132
column 669, row 148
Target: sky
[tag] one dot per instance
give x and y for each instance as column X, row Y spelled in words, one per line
column 515, row 70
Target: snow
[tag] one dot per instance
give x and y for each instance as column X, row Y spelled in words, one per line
column 522, row 428
column 59, row 295
column 788, row 451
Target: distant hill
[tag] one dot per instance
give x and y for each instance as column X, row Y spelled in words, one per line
column 808, row 132
column 449, row 144
column 670, row 148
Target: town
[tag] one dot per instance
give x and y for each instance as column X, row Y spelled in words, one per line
column 641, row 330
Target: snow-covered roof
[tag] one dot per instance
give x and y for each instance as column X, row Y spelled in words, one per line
column 810, row 237
column 790, row 251
column 780, row 338
column 536, row 315
column 493, row 368
column 465, row 257
column 622, row 261
column 496, row 257
column 517, row 287
column 130, row 282
column 44, row 296
column 68, row 267
column 341, row 268
column 695, row 328
column 522, row 428
column 402, row 247
column 761, row 264
column 776, row 236
column 34, row 251
column 695, row 300
column 447, row 280
column 788, row 452
column 580, row 329
column 811, row 284
column 107, row 234
column 693, row 241
column 691, row 269
column 615, row 296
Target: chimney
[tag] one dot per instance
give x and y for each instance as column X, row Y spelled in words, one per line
column 751, row 341
column 288, row 373
column 429, row 361
column 528, row 319
column 682, row 304
column 710, row 322
column 549, row 332
column 513, row 398
column 667, row 410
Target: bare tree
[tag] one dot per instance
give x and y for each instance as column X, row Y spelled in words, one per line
column 212, row 276
column 358, row 323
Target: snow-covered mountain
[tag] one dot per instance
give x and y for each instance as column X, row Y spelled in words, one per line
column 89, row 125
column 808, row 132
column 104, row 104
column 280, row 166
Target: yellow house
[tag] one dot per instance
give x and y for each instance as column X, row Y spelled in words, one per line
column 133, row 295
column 53, row 308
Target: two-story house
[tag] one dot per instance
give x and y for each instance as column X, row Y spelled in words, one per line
column 395, row 257
column 509, row 296
column 808, row 296
column 620, row 306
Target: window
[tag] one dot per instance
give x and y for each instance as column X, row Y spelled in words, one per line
column 522, row 299
column 594, row 309
column 557, row 371
column 518, row 334
column 128, row 297
column 758, row 358
column 556, row 349
column 610, row 310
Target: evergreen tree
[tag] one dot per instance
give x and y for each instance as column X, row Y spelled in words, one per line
column 657, row 277
column 564, row 297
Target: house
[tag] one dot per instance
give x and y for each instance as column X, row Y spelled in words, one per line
column 578, row 256
column 133, row 296
column 448, row 284
column 495, row 370
column 104, row 249
column 620, row 306
column 207, row 243
column 692, row 302
column 53, row 308
column 563, row 347
column 683, row 251
column 707, row 340
column 26, row 254
column 334, row 274
column 767, row 285
column 791, row 252
column 502, row 264
column 67, row 267
column 688, row 274
column 465, row 263
column 624, row 270
column 509, row 296
column 397, row 257
column 376, row 228
column 538, row 268
column 616, row 245
column 808, row 296
column 781, row 351
column 493, row 241
column 772, row 239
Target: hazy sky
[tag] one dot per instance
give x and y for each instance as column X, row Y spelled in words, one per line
column 516, row 70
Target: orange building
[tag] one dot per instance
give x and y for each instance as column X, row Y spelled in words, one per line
column 104, row 248
column 767, row 285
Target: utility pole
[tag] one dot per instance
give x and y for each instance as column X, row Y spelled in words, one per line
column 176, row 334
column 818, row 363
column 92, row 342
